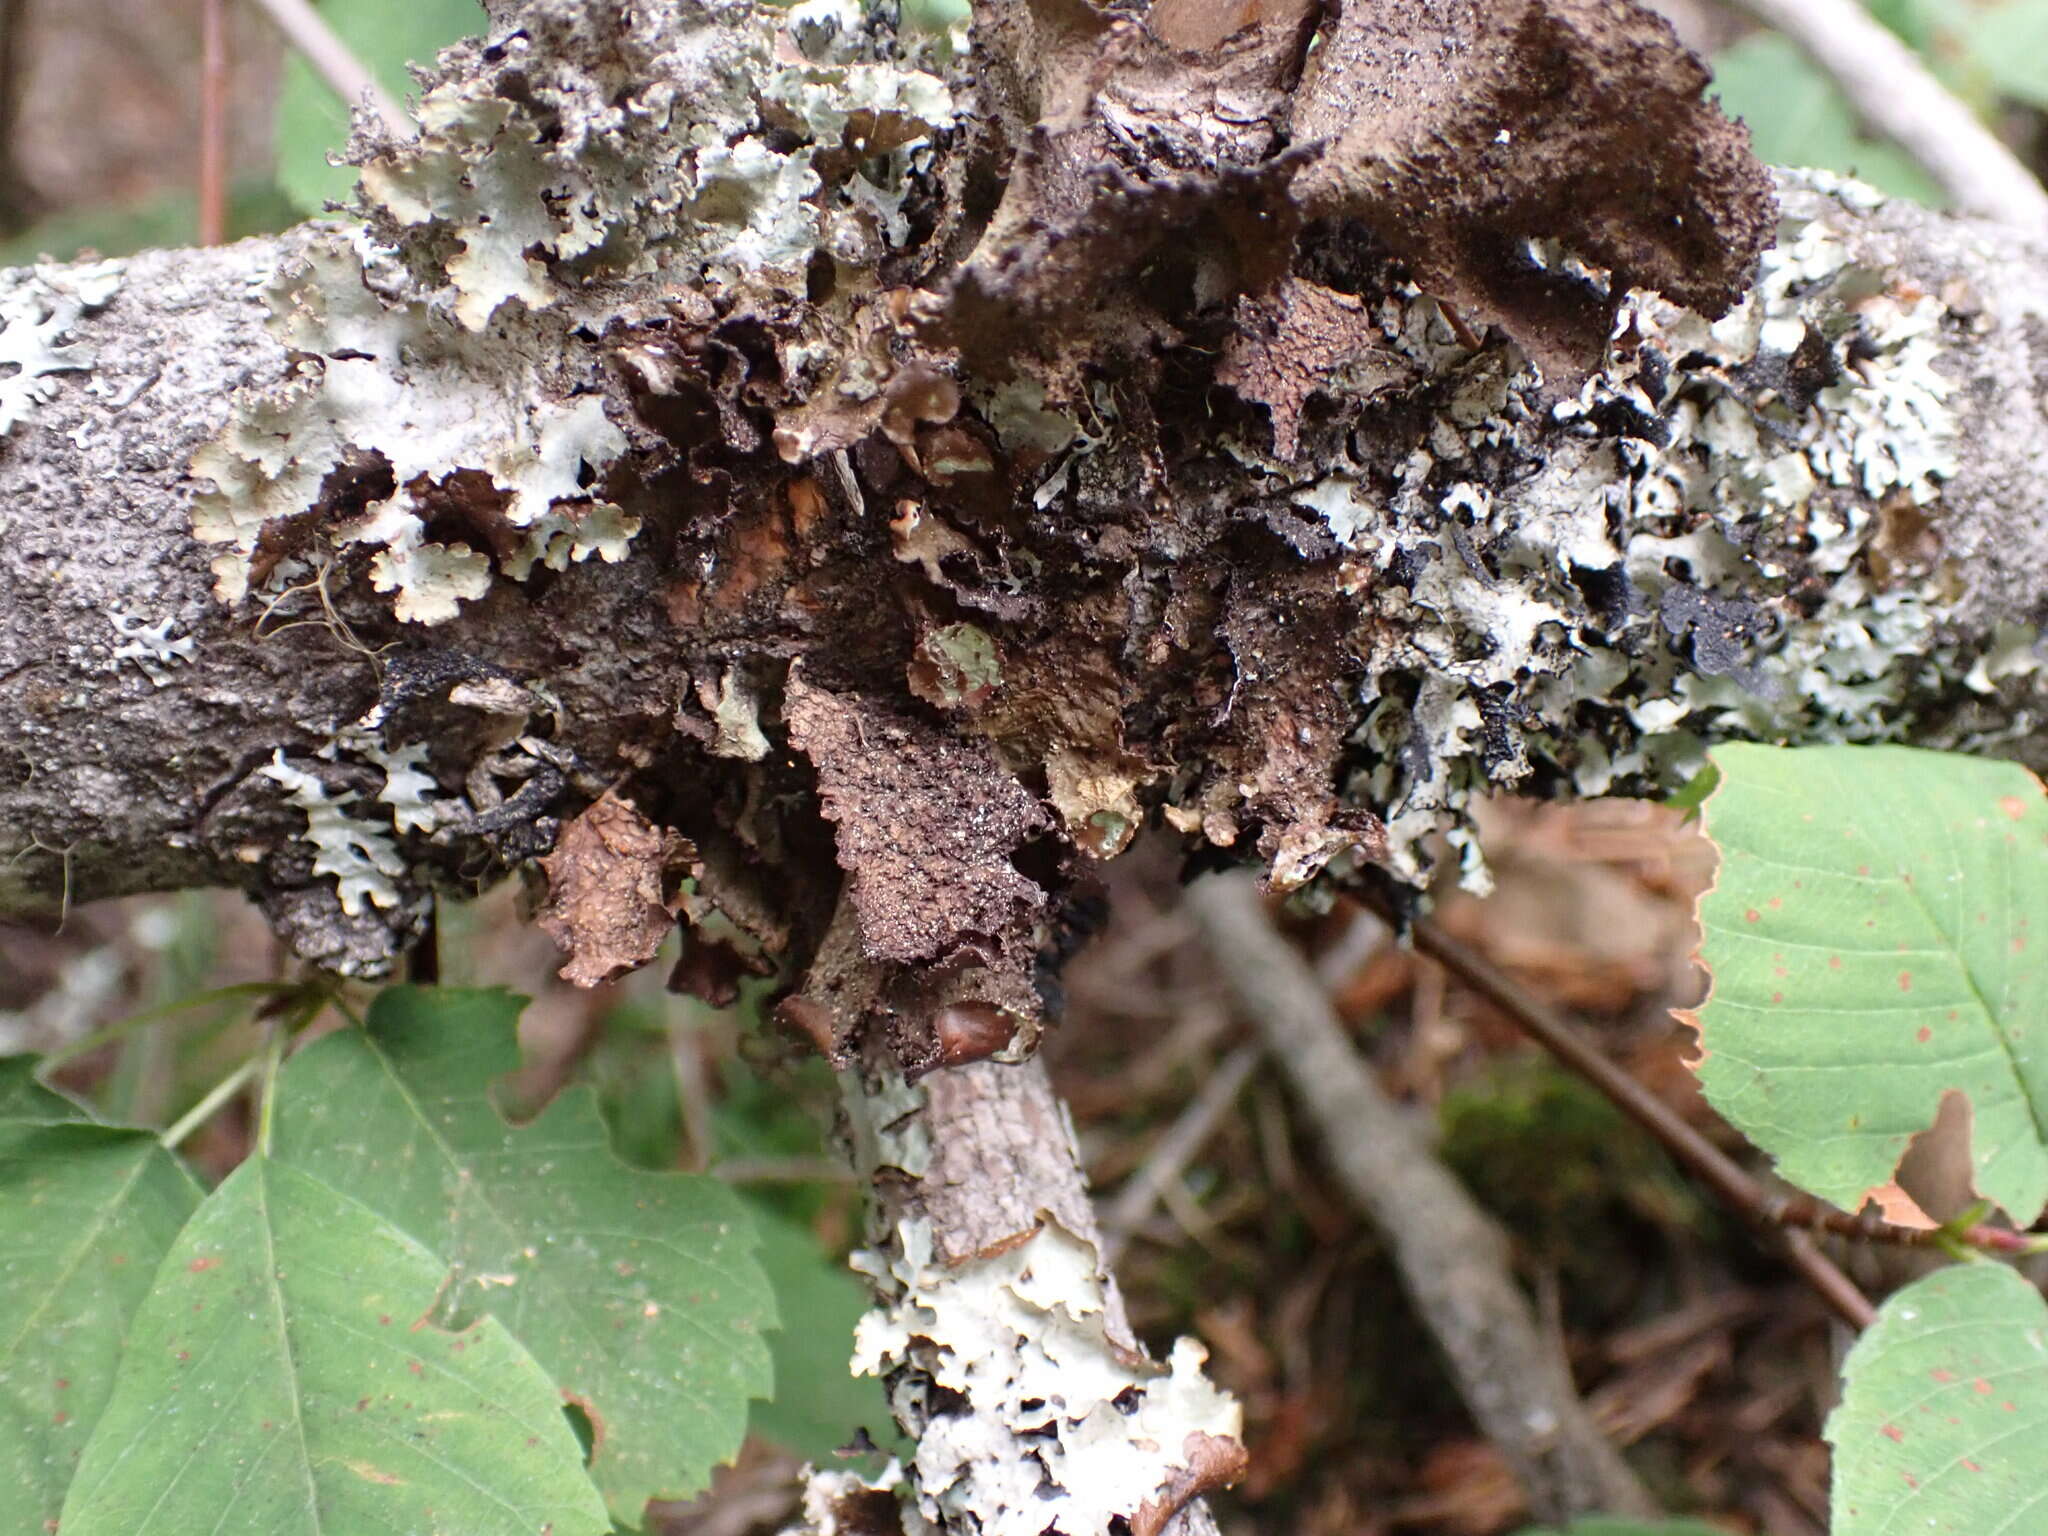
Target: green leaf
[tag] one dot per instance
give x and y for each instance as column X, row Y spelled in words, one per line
column 818, row 1401
column 22, row 1097
column 638, row 1292
column 1943, row 1423
column 1877, row 937
column 290, row 1374
column 86, row 1213
column 2010, row 44
column 312, row 121
column 1797, row 117
column 1925, row 26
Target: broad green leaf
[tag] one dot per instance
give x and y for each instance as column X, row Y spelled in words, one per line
column 22, row 1097
column 1943, row 1423
column 818, row 1401
column 385, row 35
column 1797, row 117
column 1877, row 937
column 638, row 1292
column 290, row 1374
column 86, row 1213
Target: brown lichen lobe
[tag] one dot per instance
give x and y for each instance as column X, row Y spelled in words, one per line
column 1461, row 130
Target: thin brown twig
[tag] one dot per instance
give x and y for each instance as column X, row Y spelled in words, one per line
column 213, row 122
column 1707, row 1162
column 19, row 203
column 1766, row 1207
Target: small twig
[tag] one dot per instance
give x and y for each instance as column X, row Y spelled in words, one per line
column 1363, row 938
column 112, row 1032
column 1175, row 1150
column 693, row 1091
column 64, row 851
column 273, row 1063
column 1708, row 1163
column 1894, row 93
column 213, row 122
column 210, row 1102
column 1452, row 1257
column 306, row 30
column 1828, row 1282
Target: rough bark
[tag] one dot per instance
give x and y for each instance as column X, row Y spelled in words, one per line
column 136, row 711
column 744, row 445
column 977, row 1193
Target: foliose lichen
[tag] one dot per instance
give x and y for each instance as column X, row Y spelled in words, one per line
column 1051, row 1429
column 150, row 645
column 589, row 162
column 39, row 309
column 358, row 854
column 1698, row 557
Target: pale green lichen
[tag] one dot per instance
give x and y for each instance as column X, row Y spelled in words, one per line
column 691, row 152
column 1494, row 662
column 39, row 311
column 358, row 854
column 1049, row 1427
column 150, row 645
column 1026, row 1412
column 629, row 152
column 408, row 791
column 388, row 384
column 736, row 712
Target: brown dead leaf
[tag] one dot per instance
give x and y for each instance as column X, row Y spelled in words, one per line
column 1303, row 340
column 926, row 826
column 611, row 894
column 1460, row 130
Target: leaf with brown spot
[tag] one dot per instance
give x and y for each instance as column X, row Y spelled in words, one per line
column 638, row 1293
column 611, row 890
column 1944, row 1398
column 1877, row 939
column 86, row 1213
column 262, row 1390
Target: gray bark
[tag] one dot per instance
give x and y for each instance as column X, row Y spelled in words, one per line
column 121, row 775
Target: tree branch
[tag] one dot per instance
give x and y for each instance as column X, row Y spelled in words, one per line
column 1452, row 1257
column 1897, row 95
column 1004, row 1339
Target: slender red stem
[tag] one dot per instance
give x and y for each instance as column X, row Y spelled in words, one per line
column 213, row 122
